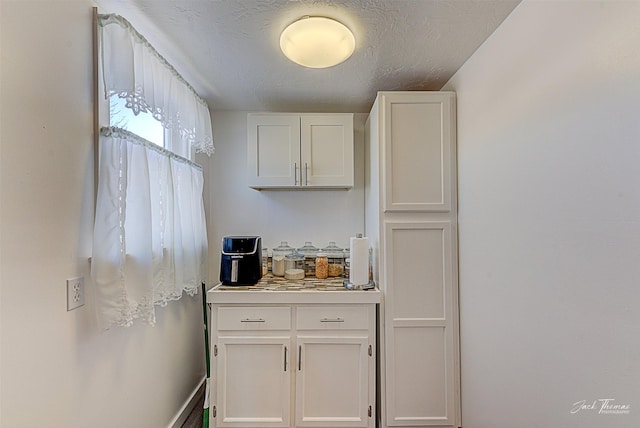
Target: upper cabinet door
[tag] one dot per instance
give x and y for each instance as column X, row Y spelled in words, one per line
column 273, row 150
column 327, row 150
column 418, row 132
column 298, row 151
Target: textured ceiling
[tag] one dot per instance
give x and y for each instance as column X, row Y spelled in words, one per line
column 229, row 49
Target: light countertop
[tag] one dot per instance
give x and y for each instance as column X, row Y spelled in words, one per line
column 272, row 289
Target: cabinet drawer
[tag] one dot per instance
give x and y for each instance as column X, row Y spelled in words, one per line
column 332, row 317
column 253, row 318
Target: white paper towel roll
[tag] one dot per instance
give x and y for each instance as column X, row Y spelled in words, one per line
column 359, row 254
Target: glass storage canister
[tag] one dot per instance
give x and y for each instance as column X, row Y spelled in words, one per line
column 309, row 252
column 294, row 266
column 322, row 266
column 294, row 260
column 335, row 255
column 278, row 258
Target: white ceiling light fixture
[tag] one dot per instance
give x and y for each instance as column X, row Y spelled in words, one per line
column 317, row 42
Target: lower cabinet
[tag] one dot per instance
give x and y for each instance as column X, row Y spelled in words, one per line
column 253, row 385
column 310, row 364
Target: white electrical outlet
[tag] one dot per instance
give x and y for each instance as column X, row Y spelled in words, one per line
column 75, row 293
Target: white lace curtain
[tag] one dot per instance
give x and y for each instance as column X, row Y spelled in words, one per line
column 150, row 238
column 132, row 69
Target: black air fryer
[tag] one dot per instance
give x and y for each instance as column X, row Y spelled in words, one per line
column 241, row 262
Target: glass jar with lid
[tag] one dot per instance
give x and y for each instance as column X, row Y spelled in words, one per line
column 294, row 260
column 294, row 266
column 322, row 266
column 278, row 258
column 335, row 256
column 309, row 252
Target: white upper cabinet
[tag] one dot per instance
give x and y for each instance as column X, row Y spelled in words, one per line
column 418, row 157
column 298, row 151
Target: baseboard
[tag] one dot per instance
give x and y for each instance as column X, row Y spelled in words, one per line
column 187, row 407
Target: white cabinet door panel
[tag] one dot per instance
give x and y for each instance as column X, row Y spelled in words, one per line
column 419, row 324
column 327, row 150
column 273, row 150
column 418, row 157
column 419, row 269
column 418, row 378
column 253, row 387
column 332, row 382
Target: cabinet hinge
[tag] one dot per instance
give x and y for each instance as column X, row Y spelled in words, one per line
column 370, row 351
column 369, row 412
column 215, row 412
column 215, row 350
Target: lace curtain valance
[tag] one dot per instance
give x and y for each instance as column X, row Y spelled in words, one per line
column 132, row 69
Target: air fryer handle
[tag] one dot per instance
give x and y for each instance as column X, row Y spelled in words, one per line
column 234, row 270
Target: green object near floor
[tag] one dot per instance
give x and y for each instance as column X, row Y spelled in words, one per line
column 205, row 414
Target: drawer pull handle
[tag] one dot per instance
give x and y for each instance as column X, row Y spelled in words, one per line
column 252, row 320
column 332, row 320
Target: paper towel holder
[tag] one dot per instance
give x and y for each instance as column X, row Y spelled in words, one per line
column 349, row 286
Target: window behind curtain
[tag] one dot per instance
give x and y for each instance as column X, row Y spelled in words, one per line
column 143, row 124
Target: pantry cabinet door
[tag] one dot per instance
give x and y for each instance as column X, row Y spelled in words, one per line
column 327, row 150
column 332, row 382
column 273, row 144
column 254, row 382
column 418, row 134
column 421, row 351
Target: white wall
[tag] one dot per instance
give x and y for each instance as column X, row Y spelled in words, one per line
column 294, row 216
column 549, row 210
column 57, row 370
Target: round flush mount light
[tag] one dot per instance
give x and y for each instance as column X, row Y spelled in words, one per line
column 317, row 42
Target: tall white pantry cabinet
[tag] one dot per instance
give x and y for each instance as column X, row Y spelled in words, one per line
column 411, row 222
